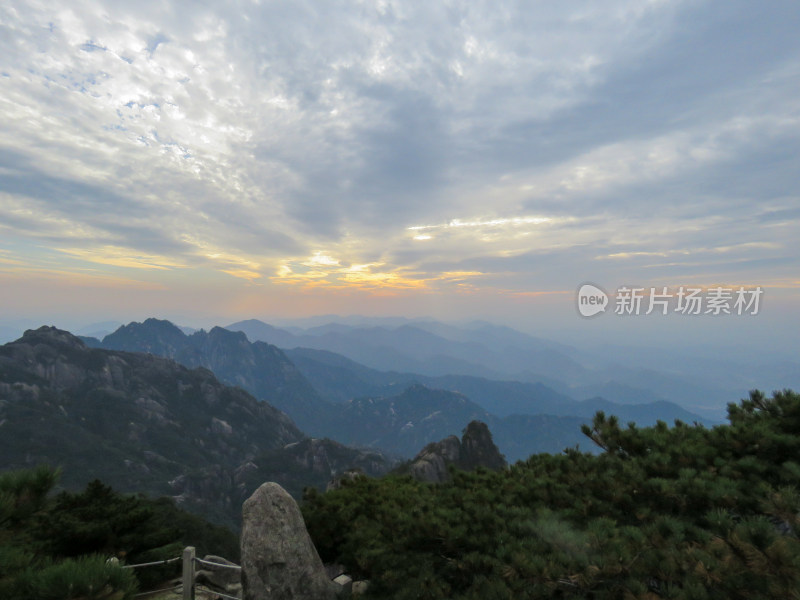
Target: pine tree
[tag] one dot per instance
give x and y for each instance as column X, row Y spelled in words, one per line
column 663, row 512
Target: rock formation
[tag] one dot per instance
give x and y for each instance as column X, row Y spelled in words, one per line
column 479, row 450
column 279, row 561
column 475, row 449
column 432, row 461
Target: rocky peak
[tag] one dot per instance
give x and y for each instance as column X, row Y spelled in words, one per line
column 478, row 448
column 45, row 354
column 220, row 333
column 475, row 449
column 51, row 336
column 155, row 336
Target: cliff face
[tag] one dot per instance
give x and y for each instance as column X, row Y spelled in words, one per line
column 142, row 423
column 475, row 449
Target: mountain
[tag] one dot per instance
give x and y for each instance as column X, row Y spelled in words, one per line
column 407, row 421
column 429, row 347
column 143, row 423
column 475, row 449
column 260, row 368
column 700, row 384
column 621, row 393
column 405, row 348
column 375, row 407
column 97, row 330
column 642, row 414
column 256, row 330
column 386, row 411
column 314, row 462
column 404, row 423
column 520, row 436
column 338, row 378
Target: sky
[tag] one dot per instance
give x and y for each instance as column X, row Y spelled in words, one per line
column 457, row 160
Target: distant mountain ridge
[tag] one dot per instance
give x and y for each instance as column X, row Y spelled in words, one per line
column 338, row 378
column 396, row 412
column 406, row 421
column 260, row 368
column 405, row 348
column 400, row 420
column 624, row 375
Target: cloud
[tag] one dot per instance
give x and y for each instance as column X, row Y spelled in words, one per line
column 121, row 257
column 417, row 147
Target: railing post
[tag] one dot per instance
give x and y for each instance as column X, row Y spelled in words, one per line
column 188, row 573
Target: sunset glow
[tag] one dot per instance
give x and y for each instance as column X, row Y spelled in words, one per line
column 209, row 156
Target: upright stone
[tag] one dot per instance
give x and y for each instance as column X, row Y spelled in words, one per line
column 279, row 561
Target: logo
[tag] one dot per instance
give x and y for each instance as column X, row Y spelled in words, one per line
column 591, row 300
column 687, row 300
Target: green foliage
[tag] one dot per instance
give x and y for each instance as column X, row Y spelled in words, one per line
column 101, row 520
column 23, row 493
column 57, row 548
column 664, row 512
column 30, row 568
column 207, row 538
column 84, row 578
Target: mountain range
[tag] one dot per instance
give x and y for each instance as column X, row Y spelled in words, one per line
column 330, row 395
column 338, row 378
column 700, row 380
column 398, row 420
column 143, row 423
column 260, row 368
column 206, row 416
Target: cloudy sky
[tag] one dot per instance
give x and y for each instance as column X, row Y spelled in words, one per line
column 452, row 159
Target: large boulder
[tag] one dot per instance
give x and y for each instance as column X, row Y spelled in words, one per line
column 279, row 561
